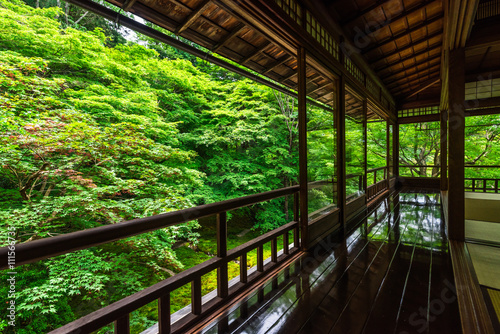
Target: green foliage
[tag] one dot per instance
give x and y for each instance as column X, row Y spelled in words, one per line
column 96, row 130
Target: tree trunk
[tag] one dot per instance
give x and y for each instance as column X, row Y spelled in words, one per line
column 67, row 14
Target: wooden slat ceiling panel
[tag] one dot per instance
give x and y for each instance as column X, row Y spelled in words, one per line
column 209, row 24
column 400, row 39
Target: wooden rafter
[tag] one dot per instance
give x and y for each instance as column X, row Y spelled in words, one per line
column 430, row 49
column 411, row 67
column 294, row 74
column 128, row 4
column 424, row 86
column 324, row 95
column 193, row 16
column 363, row 12
column 409, row 46
column 226, row 39
column 277, row 63
column 414, row 77
column 255, row 53
column 402, row 16
column 320, row 87
column 180, row 4
column 403, row 33
column 432, row 79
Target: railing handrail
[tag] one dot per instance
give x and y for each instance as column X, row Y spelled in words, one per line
column 481, row 166
column 408, row 166
column 376, row 169
column 45, row 248
column 482, row 178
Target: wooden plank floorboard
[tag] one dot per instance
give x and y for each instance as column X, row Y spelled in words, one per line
column 295, row 318
column 340, row 297
column 391, row 274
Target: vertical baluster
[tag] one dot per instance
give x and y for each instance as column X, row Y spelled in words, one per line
column 260, row 258
column 164, row 314
column 473, row 185
column 296, row 218
column 274, row 250
column 286, row 245
column 196, row 296
column 496, row 186
column 222, row 275
column 374, row 176
column 243, row 268
column 484, row 186
column 122, row 325
column 296, row 207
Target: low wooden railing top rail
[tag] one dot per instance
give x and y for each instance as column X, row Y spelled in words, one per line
column 49, row 247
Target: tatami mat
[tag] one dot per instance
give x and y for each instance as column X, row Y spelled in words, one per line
column 480, row 230
column 486, row 261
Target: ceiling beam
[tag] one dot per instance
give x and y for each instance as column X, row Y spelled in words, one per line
column 431, row 48
column 403, row 33
column 417, row 64
column 363, row 12
column 226, row 39
column 401, row 16
column 408, row 47
column 193, row 16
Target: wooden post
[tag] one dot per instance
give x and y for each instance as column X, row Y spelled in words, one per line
column 444, row 149
column 365, row 149
column 222, row 274
column 341, row 173
column 456, row 121
column 243, row 268
column 395, row 150
column 122, row 325
column 196, row 305
column 388, row 147
column 164, row 314
column 302, row 109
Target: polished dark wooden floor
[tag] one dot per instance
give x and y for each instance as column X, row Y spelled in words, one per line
column 391, row 274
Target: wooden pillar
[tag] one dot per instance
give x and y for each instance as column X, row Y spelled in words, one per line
column 341, row 170
column 444, row 149
column 302, row 110
column 456, row 121
column 365, row 148
column 395, row 150
column 388, row 147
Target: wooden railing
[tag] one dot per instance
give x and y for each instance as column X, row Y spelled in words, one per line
column 378, row 186
column 482, row 185
column 119, row 311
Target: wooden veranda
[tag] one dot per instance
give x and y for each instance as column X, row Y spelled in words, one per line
column 400, row 61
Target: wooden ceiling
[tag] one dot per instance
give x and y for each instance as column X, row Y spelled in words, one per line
column 214, row 25
column 400, row 39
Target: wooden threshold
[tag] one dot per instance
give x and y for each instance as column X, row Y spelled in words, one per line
column 474, row 314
